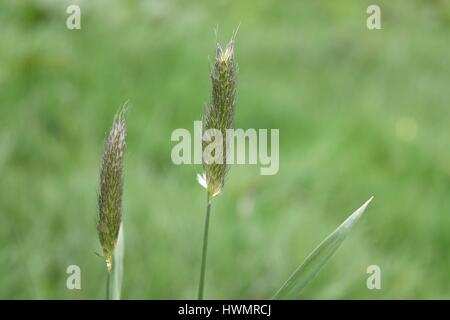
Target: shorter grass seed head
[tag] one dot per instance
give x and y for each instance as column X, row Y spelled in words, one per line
column 111, row 187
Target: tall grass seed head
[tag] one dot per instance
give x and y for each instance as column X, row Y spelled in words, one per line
column 220, row 114
column 111, row 187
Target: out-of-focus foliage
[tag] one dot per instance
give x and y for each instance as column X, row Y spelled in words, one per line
column 360, row 113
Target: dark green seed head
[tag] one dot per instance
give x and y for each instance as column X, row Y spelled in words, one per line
column 111, row 187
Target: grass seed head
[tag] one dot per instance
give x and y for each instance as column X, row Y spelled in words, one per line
column 220, row 113
column 111, row 187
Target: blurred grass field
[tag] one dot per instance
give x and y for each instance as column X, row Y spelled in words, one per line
column 360, row 113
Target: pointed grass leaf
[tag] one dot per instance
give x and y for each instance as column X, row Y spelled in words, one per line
column 117, row 272
column 318, row 258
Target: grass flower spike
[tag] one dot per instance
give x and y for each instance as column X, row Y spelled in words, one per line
column 219, row 115
column 111, row 188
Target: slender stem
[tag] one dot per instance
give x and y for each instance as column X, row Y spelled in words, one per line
column 205, row 249
column 108, row 283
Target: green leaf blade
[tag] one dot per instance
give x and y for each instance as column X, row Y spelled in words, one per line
column 117, row 271
column 318, row 258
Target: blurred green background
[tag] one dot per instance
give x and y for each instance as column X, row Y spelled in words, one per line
column 360, row 113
